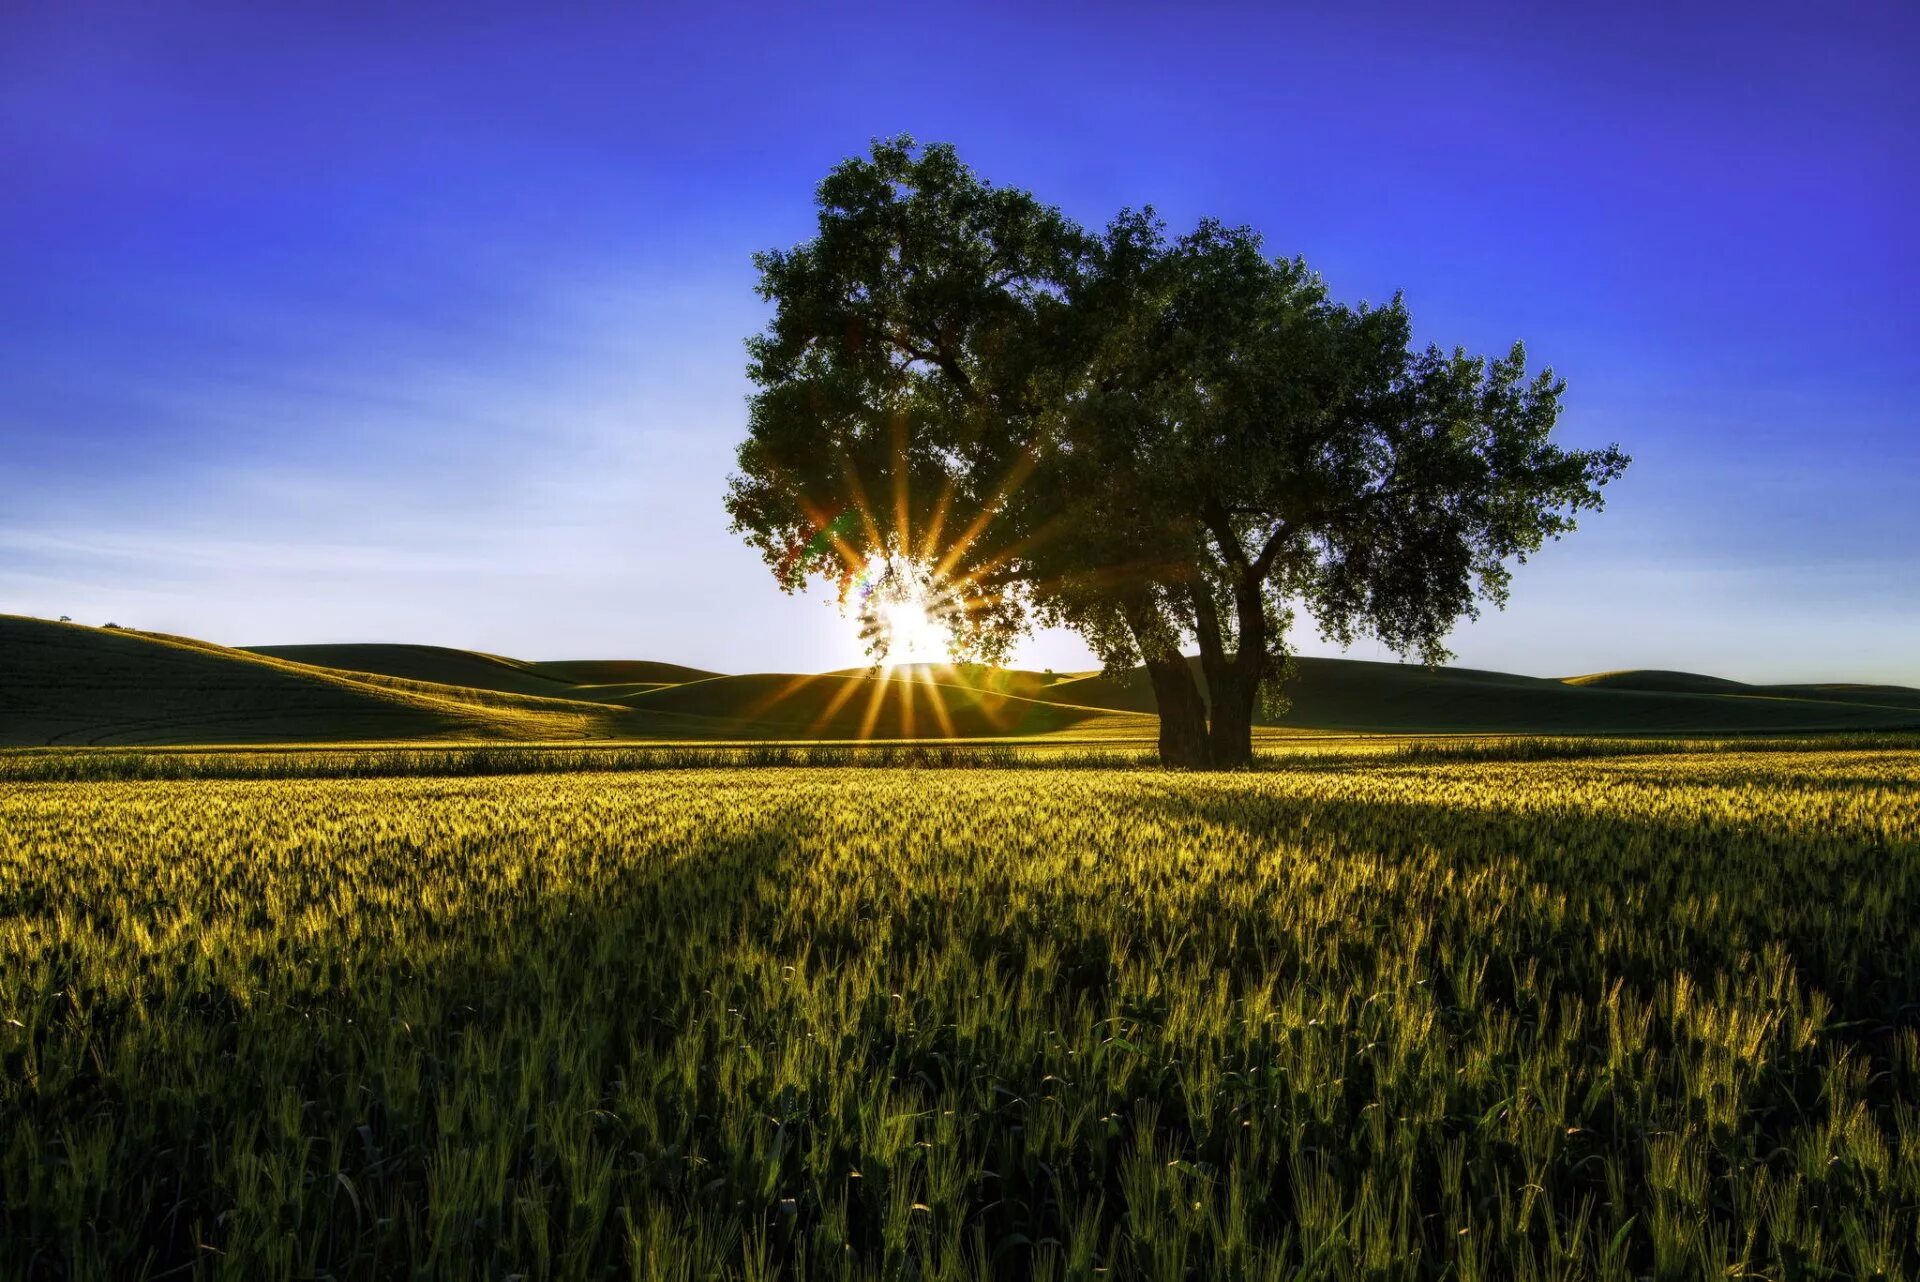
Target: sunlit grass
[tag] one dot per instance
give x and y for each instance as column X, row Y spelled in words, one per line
column 1362, row 1013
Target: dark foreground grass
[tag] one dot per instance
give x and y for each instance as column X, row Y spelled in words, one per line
column 1609, row 1018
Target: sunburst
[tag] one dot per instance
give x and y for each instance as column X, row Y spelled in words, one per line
column 906, row 595
column 904, row 612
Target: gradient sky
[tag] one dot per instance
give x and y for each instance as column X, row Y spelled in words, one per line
column 397, row 322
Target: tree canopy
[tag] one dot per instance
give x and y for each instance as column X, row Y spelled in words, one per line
column 1158, row 441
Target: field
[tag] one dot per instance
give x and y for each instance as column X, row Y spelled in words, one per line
column 1381, row 1012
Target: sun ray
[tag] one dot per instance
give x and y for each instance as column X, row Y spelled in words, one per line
column 930, row 542
column 850, row 560
column 851, row 475
column 1016, row 477
column 760, row 707
column 823, row 525
column 938, row 703
column 1007, row 554
column 850, row 686
column 880, row 684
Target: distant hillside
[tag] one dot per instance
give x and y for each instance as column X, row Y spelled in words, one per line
column 1657, row 681
column 1359, row 695
column 1694, row 683
column 587, row 680
column 619, row 671
column 437, row 664
column 66, row 684
column 1877, row 696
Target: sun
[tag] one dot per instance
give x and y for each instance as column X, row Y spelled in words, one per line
column 913, row 636
column 898, row 614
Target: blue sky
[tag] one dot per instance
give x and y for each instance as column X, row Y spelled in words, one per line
column 402, row 322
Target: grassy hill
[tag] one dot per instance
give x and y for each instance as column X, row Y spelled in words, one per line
column 66, row 684
column 593, row 672
column 1022, row 683
column 907, row 703
column 1877, row 696
column 588, row 680
column 1694, row 683
column 1657, row 681
column 437, row 664
column 1358, row 695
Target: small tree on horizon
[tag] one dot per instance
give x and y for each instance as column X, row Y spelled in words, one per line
column 1158, row 442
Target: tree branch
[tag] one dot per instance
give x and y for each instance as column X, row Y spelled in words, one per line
column 943, row 360
column 1219, row 523
column 1278, row 539
column 1206, row 626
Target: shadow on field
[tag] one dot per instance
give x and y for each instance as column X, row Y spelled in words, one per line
column 1633, row 891
column 426, row 1080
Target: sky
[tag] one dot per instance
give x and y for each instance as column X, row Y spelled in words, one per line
column 371, row 322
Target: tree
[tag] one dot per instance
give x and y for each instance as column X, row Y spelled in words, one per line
column 1158, row 442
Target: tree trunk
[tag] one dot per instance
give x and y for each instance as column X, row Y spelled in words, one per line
column 1176, row 695
column 1183, row 714
column 1233, row 695
column 1229, row 696
column 1233, row 680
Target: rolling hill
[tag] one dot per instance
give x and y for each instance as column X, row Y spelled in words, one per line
column 619, row 672
column 1657, row 681
column 437, row 664
column 1022, row 683
column 838, row 705
column 1363, row 696
column 67, row 684
column 588, row 680
column 64, row 684
column 1693, row 683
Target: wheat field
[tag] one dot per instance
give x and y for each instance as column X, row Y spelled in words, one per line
column 1606, row 1017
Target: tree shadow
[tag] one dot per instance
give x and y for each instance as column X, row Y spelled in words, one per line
column 1708, row 892
column 298, row 1121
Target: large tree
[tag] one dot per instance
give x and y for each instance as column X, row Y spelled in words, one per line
column 1160, row 442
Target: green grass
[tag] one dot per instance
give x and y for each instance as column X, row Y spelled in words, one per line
column 1605, row 1017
